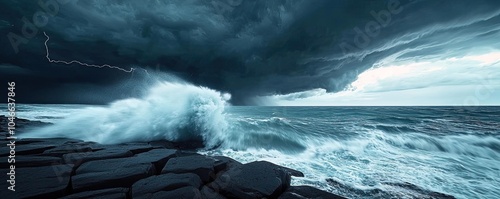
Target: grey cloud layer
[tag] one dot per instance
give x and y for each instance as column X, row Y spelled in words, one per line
column 249, row 48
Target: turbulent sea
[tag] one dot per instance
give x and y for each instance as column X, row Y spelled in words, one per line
column 452, row 150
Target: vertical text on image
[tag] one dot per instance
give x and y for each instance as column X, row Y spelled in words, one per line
column 11, row 127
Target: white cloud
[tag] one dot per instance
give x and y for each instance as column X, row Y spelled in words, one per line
column 468, row 80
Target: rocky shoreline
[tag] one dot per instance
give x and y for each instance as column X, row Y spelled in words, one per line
column 67, row 168
column 74, row 169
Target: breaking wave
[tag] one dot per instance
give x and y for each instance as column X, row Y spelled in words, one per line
column 171, row 111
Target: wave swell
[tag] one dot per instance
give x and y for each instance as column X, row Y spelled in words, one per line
column 171, row 111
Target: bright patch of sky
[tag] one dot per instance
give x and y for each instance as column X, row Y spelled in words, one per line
column 469, row 80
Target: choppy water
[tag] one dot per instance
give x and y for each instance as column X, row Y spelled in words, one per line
column 453, row 150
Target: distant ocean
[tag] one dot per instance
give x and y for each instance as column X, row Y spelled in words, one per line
column 453, row 150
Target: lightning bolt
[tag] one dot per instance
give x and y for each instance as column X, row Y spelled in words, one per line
column 81, row 63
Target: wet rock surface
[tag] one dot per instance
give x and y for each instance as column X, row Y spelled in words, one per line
column 253, row 180
column 32, row 161
column 68, row 168
column 73, row 169
column 202, row 166
column 40, row 182
column 165, row 182
column 113, row 193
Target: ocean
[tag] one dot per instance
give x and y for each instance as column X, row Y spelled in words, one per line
column 452, row 150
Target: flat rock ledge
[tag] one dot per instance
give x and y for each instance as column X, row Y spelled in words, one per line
column 74, row 169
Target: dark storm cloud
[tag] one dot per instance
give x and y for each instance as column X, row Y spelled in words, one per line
column 247, row 48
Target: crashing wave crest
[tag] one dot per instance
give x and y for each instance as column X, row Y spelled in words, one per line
column 171, row 111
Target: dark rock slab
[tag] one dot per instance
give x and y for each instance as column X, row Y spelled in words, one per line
column 292, row 172
column 101, row 174
column 39, row 182
column 165, row 182
column 181, row 193
column 207, row 192
column 185, row 145
column 108, row 153
column 48, row 141
column 225, row 163
column 253, row 180
column 158, row 157
column 72, row 148
column 202, row 166
column 113, row 193
column 120, row 172
column 33, row 161
column 181, row 153
column 27, row 149
column 155, row 157
column 137, row 148
column 307, row 192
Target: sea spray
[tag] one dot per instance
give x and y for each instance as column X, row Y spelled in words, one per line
column 170, row 111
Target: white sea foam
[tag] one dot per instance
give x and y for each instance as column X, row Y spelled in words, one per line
column 171, row 111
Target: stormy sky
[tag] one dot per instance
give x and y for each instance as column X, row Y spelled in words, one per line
column 281, row 52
